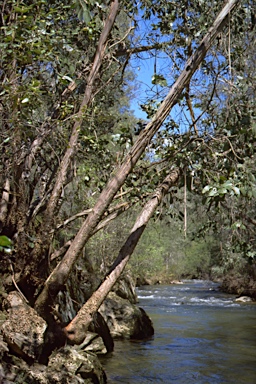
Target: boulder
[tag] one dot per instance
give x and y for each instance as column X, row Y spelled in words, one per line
column 3, row 350
column 84, row 365
column 29, row 336
column 99, row 326
column 125, row 287
column 142, row 280
column 92, row 343
column 243, row 299
column 176, row 282
column 66, row 366
column 125, row 320
column 23, row 330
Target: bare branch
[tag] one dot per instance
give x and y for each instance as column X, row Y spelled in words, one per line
column 143, row 48
column 76, row 329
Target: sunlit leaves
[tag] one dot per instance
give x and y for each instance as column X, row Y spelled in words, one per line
column 221, row 189
column 83, row 11
column 159, row 80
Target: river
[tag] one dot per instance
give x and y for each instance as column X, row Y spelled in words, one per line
column 201, row 336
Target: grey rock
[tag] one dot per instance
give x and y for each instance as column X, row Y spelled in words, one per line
column 92, row 343
column 66, row 366
column 84, row 365
column 243, row 299
column 23, row 329
column 125, row 287
column 125, row 320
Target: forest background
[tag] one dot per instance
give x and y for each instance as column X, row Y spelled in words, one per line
column 78, row 166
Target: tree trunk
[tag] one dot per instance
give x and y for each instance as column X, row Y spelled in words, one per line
column 62, row 172
column 60, row 274
column 77, row 328
column 185, row 203
column 48, row 221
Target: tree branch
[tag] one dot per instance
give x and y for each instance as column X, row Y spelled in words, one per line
column 59, row 276
column 52, row 205
column 77, row 328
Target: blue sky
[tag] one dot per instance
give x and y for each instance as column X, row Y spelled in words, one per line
column 143, row 70
column 144, row 64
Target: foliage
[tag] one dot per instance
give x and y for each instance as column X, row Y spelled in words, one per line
column 47, row 53
column 5, row 244
column 212, row 130
column 47, row 50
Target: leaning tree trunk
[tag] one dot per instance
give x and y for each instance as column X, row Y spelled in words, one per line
column 77, row 328
column 60, row 274
column 44, row 239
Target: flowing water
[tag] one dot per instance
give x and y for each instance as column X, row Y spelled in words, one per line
column 201, row 336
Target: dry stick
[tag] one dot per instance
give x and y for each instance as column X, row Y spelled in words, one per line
column 60, row 274
column 15, row 284
column 85, row 213
column 189, row 104
column 4, row 202
column 76, row 329
column 111, row 216
column 187, row 91
column 61, row 251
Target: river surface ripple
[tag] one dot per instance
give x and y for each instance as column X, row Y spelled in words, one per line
column 201, row 336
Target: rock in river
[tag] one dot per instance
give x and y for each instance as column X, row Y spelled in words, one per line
column 125, row 320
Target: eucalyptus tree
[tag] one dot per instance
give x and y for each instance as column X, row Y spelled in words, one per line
column 53, row 102
column 229, row 186
column 212, row 129
column 228, row 133
column 54, row 81
column 61, row 272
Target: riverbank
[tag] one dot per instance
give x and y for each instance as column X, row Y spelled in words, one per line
column 239, row 285
column 37, row 352
column 233, row 284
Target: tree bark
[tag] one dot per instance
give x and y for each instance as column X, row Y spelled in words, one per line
column 77, row 328
column 4, row 203
column 60, row 274
column 48, row 221
column 62, row 172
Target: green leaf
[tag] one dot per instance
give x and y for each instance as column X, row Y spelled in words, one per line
column 213, row 192
column 5, row 241
column 22, row 9
column 159, row 79
column 227, row 184
column 254, row 193
column 222, row 191
column 206, row 189
column 236, row 190
column 237, row 225
column 252, row 177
